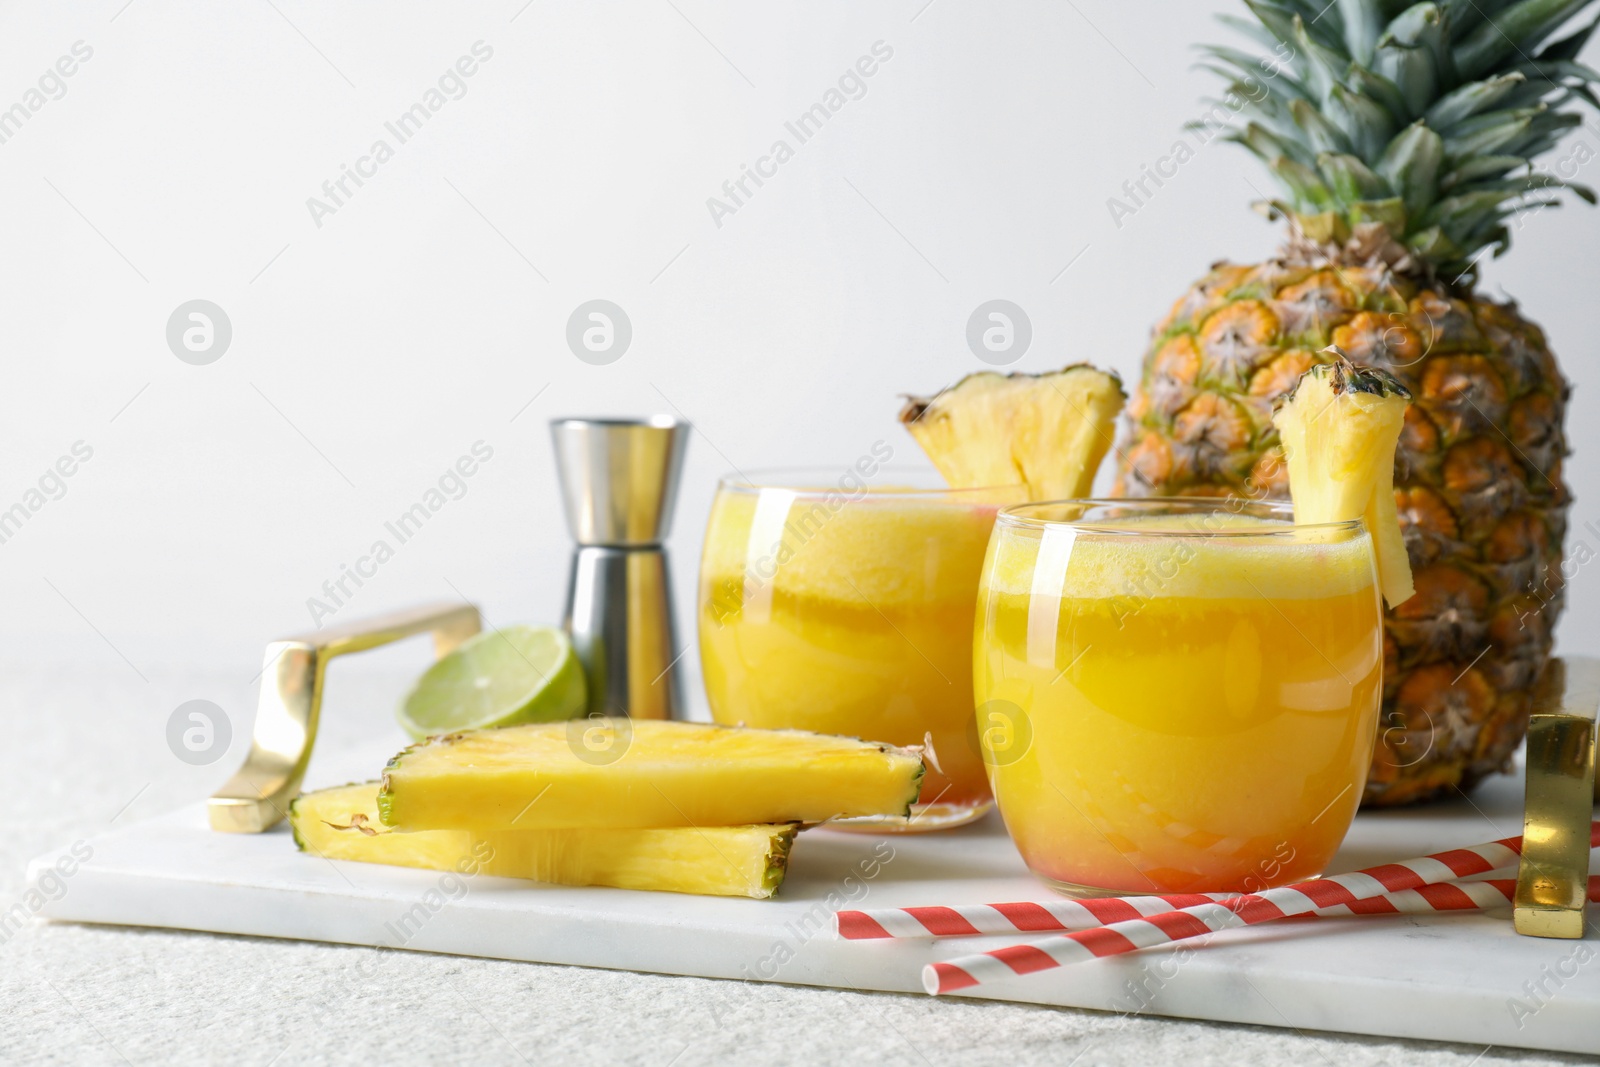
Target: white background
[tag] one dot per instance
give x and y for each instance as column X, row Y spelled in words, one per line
column 429, row 312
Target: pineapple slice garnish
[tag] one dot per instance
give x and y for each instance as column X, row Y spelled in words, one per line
column 1048, row 431
column 642, row 773
column 1339, row 427
column 726, row 861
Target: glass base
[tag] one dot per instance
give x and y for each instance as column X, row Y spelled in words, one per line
column 1090, row 892
column 924, row 819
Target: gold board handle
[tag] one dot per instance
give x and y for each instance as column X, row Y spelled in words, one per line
column 257, row 797
column 1553, row 875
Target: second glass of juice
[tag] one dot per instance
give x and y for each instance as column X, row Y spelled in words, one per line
column 1177, row 695
column 830, row 605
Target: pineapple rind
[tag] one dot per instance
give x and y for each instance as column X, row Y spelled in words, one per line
column 747, row 861
column 1480, row 488
column 671, row 774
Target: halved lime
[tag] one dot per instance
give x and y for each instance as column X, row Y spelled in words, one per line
column 498, row 678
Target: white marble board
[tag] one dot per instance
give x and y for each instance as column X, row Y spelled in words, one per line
column 1464, row 978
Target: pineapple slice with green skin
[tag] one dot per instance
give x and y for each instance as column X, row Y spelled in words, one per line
column 724, row 861
column 1049, row 431
column 1339, row 427
column 668, row 774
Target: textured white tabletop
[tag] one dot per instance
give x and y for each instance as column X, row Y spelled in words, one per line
column 88, row 748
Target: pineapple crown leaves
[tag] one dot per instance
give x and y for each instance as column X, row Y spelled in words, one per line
column 1426, row 119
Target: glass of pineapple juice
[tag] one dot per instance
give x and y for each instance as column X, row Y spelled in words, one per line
column 1176, row 695
column 831, row 605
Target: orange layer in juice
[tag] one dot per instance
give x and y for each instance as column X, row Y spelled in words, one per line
column 856, row 621
column 1191, row 718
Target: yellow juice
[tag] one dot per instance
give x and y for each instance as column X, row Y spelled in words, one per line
column 851, row 619
column 1178, row 713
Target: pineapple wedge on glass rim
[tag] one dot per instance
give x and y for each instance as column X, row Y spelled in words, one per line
column 1339, row 427
column 729, row 861
column 1049, row 431
column 643, row 773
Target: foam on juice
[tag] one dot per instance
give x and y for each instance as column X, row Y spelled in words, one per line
column 1224, row 560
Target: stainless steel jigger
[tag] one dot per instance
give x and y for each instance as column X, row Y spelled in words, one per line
column 619, row 478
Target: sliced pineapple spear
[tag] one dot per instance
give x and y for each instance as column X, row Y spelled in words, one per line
column 642, row 773
column 727, row 861
column 1339, row 427
column 1049, row 431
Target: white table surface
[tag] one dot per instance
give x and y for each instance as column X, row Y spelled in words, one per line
column 88, row 750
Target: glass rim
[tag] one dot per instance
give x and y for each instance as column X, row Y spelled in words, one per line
column 1017, row 515
column 651, row 422
column 822, row 481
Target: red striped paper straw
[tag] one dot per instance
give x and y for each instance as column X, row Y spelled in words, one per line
column 1302, row 898
column 1019, row 917
column 1065, row 915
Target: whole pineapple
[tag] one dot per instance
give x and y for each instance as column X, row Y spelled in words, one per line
column 1404, row 139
